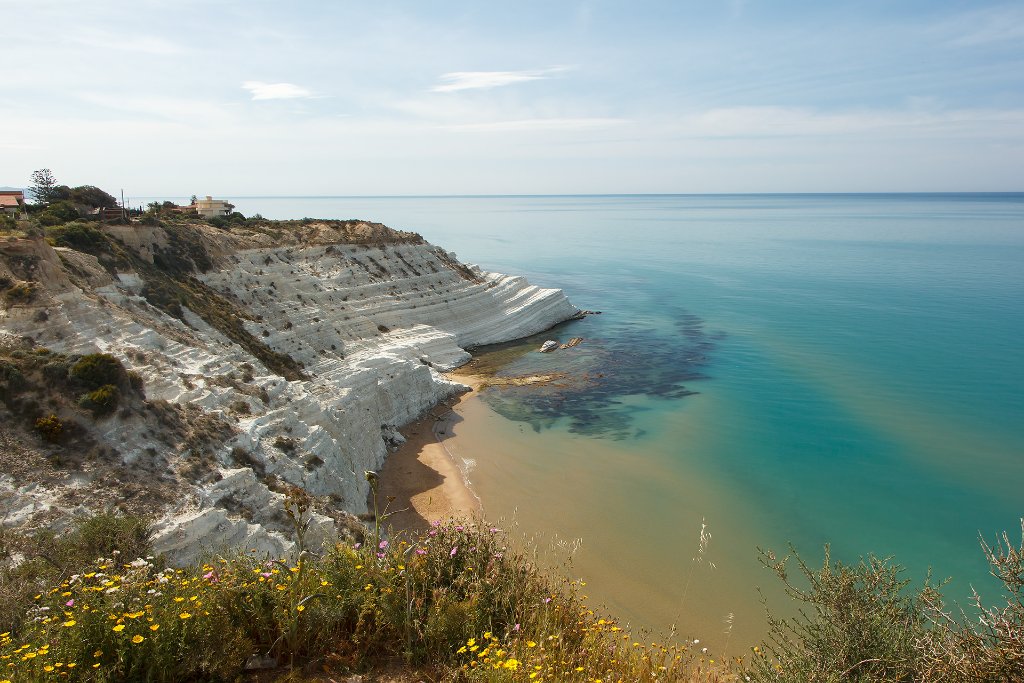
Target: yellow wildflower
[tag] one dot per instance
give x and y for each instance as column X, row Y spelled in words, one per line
column 185, row 615
column 118, row 628
column 137, row 639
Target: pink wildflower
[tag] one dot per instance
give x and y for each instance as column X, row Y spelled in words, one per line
column 455, row 549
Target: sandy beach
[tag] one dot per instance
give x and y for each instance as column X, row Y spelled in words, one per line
column 421, row 479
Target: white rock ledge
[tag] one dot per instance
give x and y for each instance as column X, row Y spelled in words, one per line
column 372, row 325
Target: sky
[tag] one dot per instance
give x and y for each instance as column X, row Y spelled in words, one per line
column 242, row 98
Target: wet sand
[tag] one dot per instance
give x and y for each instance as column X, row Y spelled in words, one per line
column 422, row 477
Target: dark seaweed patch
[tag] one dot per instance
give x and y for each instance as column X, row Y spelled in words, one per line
column 616, row 361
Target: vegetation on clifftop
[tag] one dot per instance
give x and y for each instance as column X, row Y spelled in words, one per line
column 455, row 603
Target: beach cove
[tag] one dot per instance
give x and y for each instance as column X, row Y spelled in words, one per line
column 788, row 368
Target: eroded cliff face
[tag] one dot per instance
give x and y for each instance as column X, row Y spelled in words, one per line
column 285, row 355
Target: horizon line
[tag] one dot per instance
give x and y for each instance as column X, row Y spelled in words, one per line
column 599, row 194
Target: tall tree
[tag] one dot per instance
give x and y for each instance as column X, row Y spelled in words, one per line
column 43, row 185
column 90, row 195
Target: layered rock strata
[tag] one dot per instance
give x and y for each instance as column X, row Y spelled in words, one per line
column 371, row 324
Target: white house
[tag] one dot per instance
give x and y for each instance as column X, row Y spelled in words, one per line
column 210, row 207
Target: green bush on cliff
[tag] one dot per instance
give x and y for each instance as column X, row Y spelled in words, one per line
column 50, row 427
column 79, row 236
column 57, row 213
column 98, row 369
column 102, row 401
column 11, row 378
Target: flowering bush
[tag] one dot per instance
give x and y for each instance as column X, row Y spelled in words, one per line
column 440, row 599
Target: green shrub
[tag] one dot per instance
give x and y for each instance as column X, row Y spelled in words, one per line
column 103, row 535
column 79, row 236
column 861, row 623
column 11, row 375
column 989, row 645
column 98, row 369
column 92, row 196
column 856, row 623
column 50, row 428
column 102, row 401
column 57, row 213
column 47, row 557
column 55, row 372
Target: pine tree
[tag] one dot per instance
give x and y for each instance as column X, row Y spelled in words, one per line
column 43, row 185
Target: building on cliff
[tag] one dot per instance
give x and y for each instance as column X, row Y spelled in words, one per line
column 12, row 201
column 210, row 207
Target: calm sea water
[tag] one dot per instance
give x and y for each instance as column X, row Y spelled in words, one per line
column 805, row 369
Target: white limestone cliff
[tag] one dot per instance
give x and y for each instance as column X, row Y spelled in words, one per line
column 372, row 326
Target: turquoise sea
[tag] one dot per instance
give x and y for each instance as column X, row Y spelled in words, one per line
column 805, row 369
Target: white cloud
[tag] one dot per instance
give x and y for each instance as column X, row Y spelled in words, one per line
column 475, row 80
column 276, row 91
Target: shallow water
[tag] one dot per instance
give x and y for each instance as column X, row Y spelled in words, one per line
column 789, row 368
